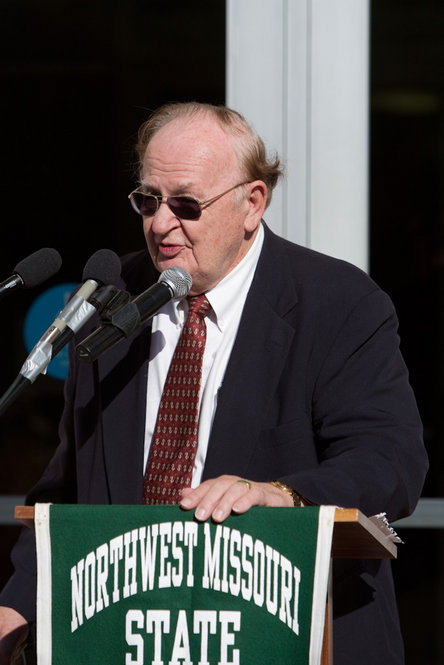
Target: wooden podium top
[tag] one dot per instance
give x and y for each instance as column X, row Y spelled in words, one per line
column 355, row 536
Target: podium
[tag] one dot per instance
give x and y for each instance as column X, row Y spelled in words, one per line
column 353, row 536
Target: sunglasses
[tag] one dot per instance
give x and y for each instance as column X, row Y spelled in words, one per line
column 184, row 207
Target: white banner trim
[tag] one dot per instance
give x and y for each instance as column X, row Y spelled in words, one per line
column 44, row 584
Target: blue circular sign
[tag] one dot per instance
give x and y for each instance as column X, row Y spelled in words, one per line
column 40, row 316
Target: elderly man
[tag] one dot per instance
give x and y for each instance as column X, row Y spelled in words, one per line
column 300, row 392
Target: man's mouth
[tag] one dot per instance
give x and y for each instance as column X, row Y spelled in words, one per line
column 169, row 250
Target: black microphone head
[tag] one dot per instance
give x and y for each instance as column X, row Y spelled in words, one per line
column 38, row 267
column 103, row 266
column 178, row 279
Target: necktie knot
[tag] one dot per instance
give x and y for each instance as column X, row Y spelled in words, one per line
column 198, row 305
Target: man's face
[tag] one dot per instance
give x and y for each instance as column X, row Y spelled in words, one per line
column 197, row 158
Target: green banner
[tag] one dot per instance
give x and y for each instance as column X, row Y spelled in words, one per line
column 149, row 585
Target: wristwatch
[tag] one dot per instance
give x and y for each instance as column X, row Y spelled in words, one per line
column 297, row 499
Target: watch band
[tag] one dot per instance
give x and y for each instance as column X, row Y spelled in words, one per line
column 297, row 499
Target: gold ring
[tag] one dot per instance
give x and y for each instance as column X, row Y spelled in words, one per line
column 245, row 482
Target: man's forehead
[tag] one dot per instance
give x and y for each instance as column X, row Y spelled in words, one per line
column 199, row 142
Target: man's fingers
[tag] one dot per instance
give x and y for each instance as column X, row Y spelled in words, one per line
column 214, row 498
column 218, row 497
column 238, row 490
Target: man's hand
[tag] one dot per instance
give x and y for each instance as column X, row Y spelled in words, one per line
column 13, row 635
column 218, row 497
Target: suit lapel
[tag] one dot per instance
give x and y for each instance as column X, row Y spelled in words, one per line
column 122, row 384
column 256, row 363
column 123, row 394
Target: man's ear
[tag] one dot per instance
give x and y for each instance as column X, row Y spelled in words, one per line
column 257, row 200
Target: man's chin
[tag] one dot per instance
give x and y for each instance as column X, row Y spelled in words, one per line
column 164, row 263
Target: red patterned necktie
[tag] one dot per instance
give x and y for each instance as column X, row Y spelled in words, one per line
column 173, row 448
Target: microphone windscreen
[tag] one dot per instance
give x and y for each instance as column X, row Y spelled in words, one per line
column 103, row 266
column 38, row 267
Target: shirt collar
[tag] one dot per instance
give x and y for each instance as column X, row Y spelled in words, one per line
column 220, row 297
column 236, row 283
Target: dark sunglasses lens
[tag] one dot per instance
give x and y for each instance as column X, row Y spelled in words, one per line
column 184, row 207
column 143, row 204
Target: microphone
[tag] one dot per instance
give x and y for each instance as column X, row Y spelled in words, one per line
column 102, row 267
column 173, row 283
column 31, row 271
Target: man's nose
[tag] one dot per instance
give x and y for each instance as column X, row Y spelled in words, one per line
column 164, row 219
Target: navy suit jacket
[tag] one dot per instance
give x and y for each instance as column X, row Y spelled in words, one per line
column 315, row 394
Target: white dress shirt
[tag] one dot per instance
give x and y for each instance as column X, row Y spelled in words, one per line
column 227, row 300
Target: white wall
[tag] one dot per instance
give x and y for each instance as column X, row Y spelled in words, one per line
column 298, row 70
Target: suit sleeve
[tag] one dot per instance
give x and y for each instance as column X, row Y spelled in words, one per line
column 366, row 423
column 57, row 485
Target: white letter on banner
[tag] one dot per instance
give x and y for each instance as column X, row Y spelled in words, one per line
column 226, row 539
column 210, row 577
column 259, row 573
column 272, row 579
column 286, row 591
column 235, row 543
column 297, row 584
column 177, row 573
column 77, row 594
column 226, row 638
column 148, row 554
column 130, row 539
column 246, row 587
column 157, row 618
column 181, row 647
column 134, row 639
column 202, row 620
column 102, row 577
column 164, row 579
column 115, row 555
column 190, row 540
column 90, row 585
